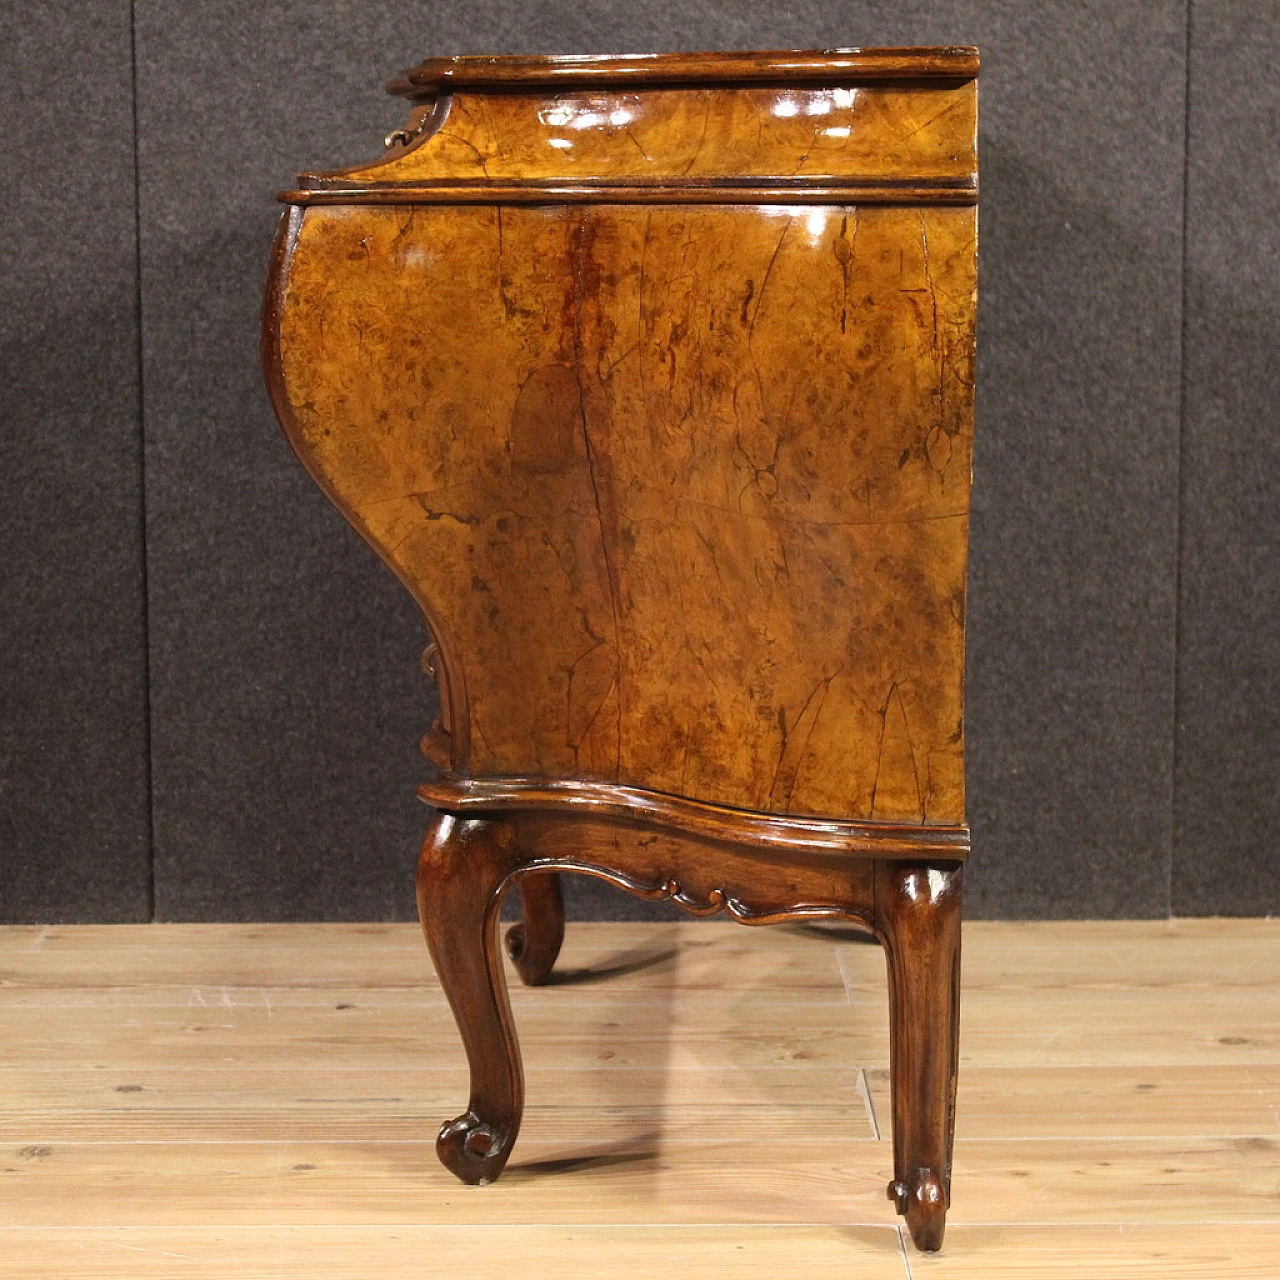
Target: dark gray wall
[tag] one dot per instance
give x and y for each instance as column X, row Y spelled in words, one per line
column 1227, row 824
column 74, row 837
column 1124, row 564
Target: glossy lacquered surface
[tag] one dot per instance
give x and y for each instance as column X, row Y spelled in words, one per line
column 792, row 66
column 683, row 491
column 876, row 139
column 653, row 382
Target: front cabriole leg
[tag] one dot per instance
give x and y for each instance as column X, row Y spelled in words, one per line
column 917, row 915
column 461, row 871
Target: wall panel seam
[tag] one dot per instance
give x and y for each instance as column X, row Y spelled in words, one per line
column 141, row 410
column 1179, row 513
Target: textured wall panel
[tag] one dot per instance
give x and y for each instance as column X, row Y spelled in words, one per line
column 73, row 711
column 1075, row 495
column 286, row 697
column 1227, row 850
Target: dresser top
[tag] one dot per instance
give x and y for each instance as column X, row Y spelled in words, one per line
column 827, row 66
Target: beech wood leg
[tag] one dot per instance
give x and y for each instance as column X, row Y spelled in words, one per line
column 463, row 864
column 917, row 909
column 534, row 943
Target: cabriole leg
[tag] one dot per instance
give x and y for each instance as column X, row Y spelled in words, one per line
column 918, row 918
column 463, row 864
column 534, row 943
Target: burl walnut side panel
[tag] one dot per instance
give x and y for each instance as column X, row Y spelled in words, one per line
column 651, row 377
column 683, row 490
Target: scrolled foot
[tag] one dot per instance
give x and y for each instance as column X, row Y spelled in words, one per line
column 472, row 1150
column 534, row 943
column 518, row 951
column 923, row 1203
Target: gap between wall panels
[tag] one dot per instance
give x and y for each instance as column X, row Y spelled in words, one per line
column 142, row 468
column 1182, row 460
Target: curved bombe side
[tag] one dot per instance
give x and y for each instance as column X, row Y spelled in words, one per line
column 651, row 379
column 685, row 488
column 452, row 736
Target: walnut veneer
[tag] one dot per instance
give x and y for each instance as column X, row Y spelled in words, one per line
column 651, row 378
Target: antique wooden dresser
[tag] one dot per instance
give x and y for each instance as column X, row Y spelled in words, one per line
column 651, row 377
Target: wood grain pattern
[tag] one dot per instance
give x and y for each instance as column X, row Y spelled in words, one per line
column 1164, row 1099
column 1060, row 1171
column 638, row 1028
column 652, row 380
column 741, row 1251
column 746, row 566
column 312, row 1181
column 914, row 133
column 1211, row 1251
column 567, row 1253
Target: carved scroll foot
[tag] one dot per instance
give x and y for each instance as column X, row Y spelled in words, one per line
column 534, row 943
column 463, row 865
column 917, row 915
column 473, row 1150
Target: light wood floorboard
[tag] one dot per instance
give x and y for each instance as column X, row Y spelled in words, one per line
column 704, row 1099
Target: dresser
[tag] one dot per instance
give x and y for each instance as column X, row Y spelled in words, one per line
column 651, row 378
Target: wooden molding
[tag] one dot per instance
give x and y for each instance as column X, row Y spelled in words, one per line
column 696, row 818
column 828, row 66
column 780, row 191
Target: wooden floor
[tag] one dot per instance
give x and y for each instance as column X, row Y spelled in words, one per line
column 704, row 1100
